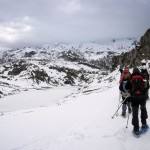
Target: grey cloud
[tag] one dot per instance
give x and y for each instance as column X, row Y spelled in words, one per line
column 71, row 20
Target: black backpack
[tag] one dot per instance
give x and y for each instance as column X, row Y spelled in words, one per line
column 137, row 86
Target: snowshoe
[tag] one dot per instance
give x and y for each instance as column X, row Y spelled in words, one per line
column 137, row 134
column 144, row 128
column 123, row 114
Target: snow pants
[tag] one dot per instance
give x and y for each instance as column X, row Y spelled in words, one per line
column 135, row 103
column 126, row 104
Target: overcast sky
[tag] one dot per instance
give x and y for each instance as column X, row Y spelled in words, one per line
column 37, row 22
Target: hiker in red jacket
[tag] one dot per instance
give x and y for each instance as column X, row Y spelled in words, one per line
column 125, row 92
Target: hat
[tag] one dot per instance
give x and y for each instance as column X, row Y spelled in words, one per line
column 136, row 71
column 143, row 61
column 126, row 71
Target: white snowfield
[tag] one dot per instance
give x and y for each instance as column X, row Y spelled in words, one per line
column 78, row 122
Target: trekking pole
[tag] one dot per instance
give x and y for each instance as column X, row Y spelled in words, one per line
column 120, row 106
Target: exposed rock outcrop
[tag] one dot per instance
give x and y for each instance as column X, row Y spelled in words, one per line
column 29, row 54
column 17, row 68
column 136, row 55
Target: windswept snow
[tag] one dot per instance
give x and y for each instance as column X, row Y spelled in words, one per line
column 80, row 122
column 35, row 98
column 46, row 117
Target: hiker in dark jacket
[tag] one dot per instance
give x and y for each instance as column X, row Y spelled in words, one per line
column 125, row 92
column 145, row 76
column 138, row 98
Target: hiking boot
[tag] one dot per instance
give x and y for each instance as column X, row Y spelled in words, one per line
column 130, row 110
column 123, row 114
column 144, row 126
column 136, row 131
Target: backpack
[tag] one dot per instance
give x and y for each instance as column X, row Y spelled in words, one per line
column 137, row 85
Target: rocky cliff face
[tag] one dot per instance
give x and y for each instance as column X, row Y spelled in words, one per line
column 136, row 55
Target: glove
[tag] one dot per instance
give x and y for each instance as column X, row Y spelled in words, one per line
column 125, row 94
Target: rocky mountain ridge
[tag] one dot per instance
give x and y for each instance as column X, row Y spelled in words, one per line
column 57, row 65
column 134, row 57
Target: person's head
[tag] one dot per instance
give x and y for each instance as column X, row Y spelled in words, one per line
column 144, row 67
column 136, row 71
column 126, row 73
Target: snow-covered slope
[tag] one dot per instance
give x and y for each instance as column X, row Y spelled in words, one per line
column 81, row 121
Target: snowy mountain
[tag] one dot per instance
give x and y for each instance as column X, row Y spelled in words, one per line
column 58, row 64
column 49, row 50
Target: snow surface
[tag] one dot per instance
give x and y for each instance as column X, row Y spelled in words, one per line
column 31, row 99
column 79, row 121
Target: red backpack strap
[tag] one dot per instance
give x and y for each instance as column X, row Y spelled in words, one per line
column 122, row 77
column 137, row 77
